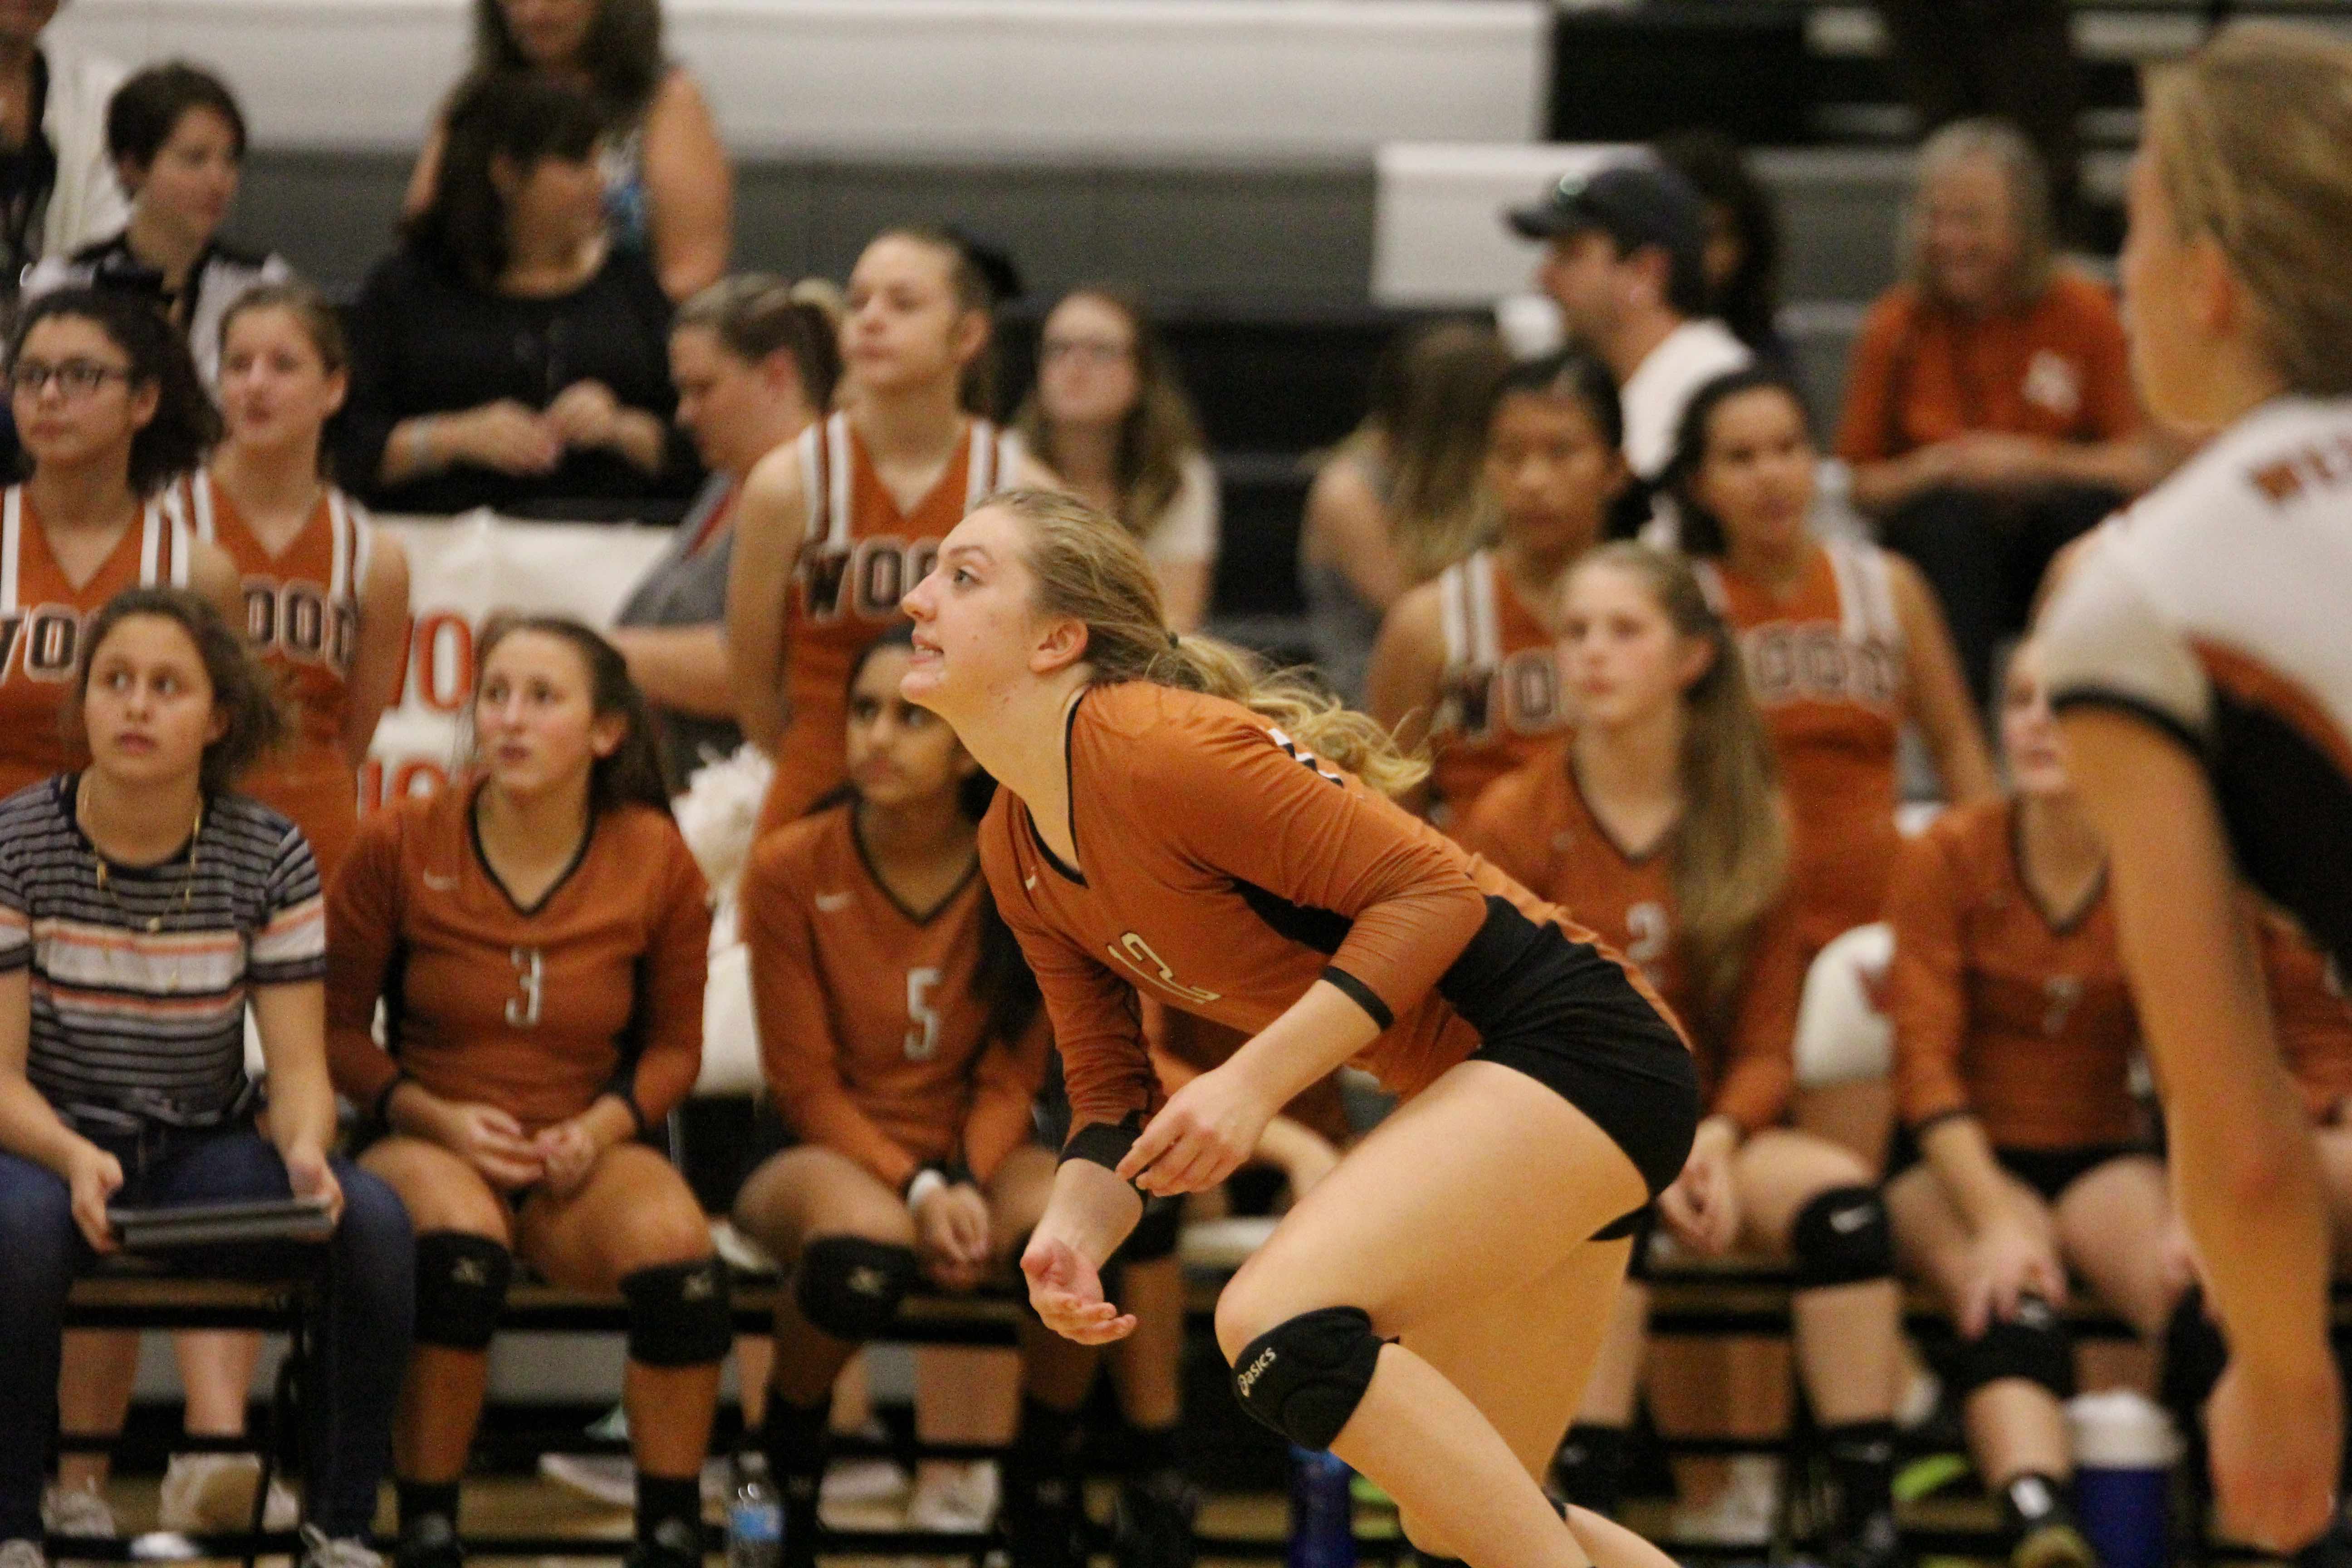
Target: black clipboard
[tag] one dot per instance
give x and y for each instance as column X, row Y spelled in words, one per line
column 180, row 1226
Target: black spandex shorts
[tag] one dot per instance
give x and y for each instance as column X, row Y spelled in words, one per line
column 1561, row 1013
column 2049, row 1172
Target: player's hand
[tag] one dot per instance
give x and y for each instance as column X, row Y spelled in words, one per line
column 1996, row 457
column 310, row 1176
column 1205, row 1132
column 585, row 415
column 2009, row 1260
column 1068, row 1294
column 494, row 1143
column 505, row 437
column 1702, row 1207
column 2274, row 1454
column 567, row 1152
column 93, row 1176
column 951, row 1234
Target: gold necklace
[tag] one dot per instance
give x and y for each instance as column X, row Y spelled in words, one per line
column 154, row 924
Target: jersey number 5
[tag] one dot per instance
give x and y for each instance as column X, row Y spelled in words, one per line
column 923, row 1026
column 530, row 971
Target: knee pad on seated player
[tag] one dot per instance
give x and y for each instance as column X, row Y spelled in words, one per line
column 850, row 1287
column 680, row 1314
column 1841, row 1239
column 2194, row 1357
column 461, row 1284
column 2034, row 1345
column 1305, row 1377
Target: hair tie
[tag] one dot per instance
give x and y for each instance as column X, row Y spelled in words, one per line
column 1174, row 642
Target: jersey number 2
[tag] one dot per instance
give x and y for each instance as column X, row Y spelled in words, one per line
column 531, row 971
column 923, row 1019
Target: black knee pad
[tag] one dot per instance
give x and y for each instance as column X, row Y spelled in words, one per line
column 2034, row 1345
column 2194, row 1356
column 680, row 1314
column 850, row 1287
column 1155, row 1234
column 1841, row 1238
column 461, row 1284
column 1305, row 1378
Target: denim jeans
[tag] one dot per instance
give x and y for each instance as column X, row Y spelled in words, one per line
column 361, row 1341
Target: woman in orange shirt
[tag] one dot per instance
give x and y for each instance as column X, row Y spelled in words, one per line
column 537, row 935
column 1175, row 823
column 1467, row 661
column 904, row 1043
column 1659, row 822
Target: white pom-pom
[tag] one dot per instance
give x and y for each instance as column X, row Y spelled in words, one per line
column 719, row 813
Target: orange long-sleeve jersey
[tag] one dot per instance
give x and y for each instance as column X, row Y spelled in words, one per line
column 874, row 1041
column 1537, row 825
column 594, row 990
column 1224, row 868
column 1184, row 1047
column 2000, row 1007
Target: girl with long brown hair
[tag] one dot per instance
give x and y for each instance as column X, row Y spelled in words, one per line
column 1661, row 822
column 1174, row 822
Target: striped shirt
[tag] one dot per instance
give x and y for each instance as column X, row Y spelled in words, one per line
column 138, row 980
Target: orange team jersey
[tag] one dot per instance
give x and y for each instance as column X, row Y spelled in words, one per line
column 41, row 618
column 2000, row 1008
column 1536, row 824
column 874, row 1041
column 859, row 557
column 1826, row 664
column 1500, row 696
column 2308, row 1013
column 595, row 989
column 303, row 616
column 1183, row 1047
column 1225, row 869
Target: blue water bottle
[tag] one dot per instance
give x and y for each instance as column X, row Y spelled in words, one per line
column 1322, row 1512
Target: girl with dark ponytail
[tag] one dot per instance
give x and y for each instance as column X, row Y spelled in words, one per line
column 1659, row 822
column 903, row 1042
column 538, row 935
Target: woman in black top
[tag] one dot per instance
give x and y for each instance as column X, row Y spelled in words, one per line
column 507, row 355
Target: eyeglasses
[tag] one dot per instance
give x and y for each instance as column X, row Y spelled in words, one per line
column 1088, row 350
column 76, row 378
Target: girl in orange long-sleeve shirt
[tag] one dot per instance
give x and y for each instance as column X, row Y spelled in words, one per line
column 1659, row 822
column 1155, row 834
column 903, row 1043
column 537, row 936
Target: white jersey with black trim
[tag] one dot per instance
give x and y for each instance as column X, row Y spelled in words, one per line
column 2218, row 608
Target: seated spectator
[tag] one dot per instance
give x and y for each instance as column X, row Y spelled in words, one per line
column 755, row 361
column 508, row 355
column 58, row 189
column 2022, row 1156
column 177, row 139
column 1468, row 664
column 669, row 191
column 1401, row 498
column 132, row 1091
column 1108, row 414
column 1989, row 415
column 1742, row 257
column 1661, row 823
column 537, row 933
column 1626, row 260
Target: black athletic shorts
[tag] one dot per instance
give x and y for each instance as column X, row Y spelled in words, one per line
column 2049, row 1172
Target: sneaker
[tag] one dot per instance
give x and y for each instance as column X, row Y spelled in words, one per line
column 957, row 1497
column 430, row 1543
column 675, row 1544
column 1151, row 1525
column 77, row 1510
column 1744, row 1512
column 1045, row 1523
column 212, row 1494
column 22, row 1554
column 1874, row 1542
column 610, row 1478
column 2053, row 1543
column 319, row 1552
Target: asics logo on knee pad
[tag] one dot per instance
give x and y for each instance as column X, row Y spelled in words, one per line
column 699, row 1285
column 1845, row 1222
column 1251, row 1373
column 2033, row 1312
column 469, row 1271
column 868, row 1282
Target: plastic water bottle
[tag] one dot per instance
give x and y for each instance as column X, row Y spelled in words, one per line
column 1322, row 1512
column 755, row 1517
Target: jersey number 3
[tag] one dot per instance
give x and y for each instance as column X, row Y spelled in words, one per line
column 531, row 971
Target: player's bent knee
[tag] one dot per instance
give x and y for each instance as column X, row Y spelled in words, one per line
column 461, row 1284
column 850, row 1287
column 1841, row 1238
column 680, row 1314
column 2032, row 1345
column 1305, row 1377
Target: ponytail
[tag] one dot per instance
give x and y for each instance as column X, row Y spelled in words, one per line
column 1089, row 568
